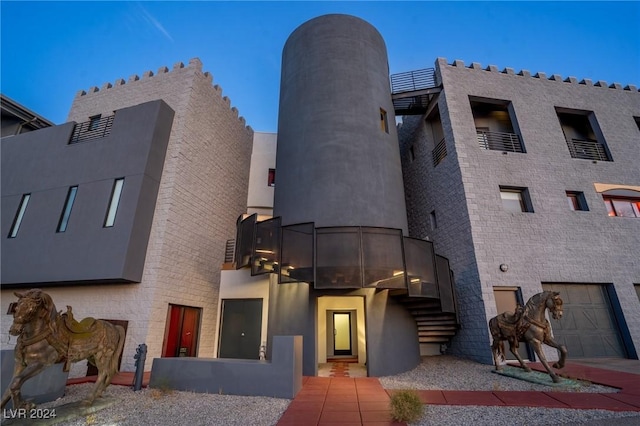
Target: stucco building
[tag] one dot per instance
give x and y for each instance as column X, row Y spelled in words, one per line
column 373, row 241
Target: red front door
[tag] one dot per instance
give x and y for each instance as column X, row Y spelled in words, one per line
column 181, row 337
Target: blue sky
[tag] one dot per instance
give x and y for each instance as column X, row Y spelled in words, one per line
column 50, row 50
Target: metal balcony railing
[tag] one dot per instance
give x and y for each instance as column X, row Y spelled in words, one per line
column 439, row 152
column 92, row 129
column 413, row 80
column 499, row 141
column 587, row 149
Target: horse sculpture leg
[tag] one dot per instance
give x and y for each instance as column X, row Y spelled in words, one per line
column 21, row 374
column 107, row 361
column 537, row 347
column 548, row 340
column 513, row 347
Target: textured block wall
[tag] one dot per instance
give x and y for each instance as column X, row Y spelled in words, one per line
column 202, row 192
column 553, row 244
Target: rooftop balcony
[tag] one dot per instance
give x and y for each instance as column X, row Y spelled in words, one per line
column 412, row 91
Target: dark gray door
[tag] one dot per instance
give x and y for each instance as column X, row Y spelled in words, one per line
column 241, row 328
column 588, row 328
column 507, row 298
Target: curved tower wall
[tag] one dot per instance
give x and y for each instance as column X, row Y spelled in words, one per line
column 335, row 164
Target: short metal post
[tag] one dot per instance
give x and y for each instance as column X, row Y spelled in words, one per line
column 140, row 357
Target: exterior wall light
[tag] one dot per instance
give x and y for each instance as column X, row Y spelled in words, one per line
column 504, row 267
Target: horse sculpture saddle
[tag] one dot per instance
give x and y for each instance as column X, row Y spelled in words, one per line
column 84, row 327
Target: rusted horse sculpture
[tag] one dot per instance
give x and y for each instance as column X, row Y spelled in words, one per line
column 528, row 324
column 46, row 337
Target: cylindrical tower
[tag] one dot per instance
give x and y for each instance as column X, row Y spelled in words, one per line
column 338, row 159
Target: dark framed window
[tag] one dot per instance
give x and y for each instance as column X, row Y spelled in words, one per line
column 66, row 211
column 22, row 208
column 271, row 179
column 116, row 193
column 576, row 201
column 622, row 206
column 515, row 199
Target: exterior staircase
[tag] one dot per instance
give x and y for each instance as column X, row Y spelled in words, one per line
column 434, row 325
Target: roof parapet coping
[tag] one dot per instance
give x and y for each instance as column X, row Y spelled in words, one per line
column 193, row 63
column 442, row 62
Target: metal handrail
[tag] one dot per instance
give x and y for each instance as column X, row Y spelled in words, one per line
column 92, row 129
column 413, row 80
column 439, row 152
column 499, row 141
column 587, row 149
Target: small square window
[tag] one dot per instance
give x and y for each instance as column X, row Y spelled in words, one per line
column 271, row 180
column 384, row 124
column 576, row 201
column 515, row 199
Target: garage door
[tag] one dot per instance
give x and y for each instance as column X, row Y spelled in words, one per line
column 588, row 328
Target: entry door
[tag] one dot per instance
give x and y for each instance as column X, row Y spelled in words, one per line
column 181, row 338
column 342, row 333
column 241, row 328
column 507, row 300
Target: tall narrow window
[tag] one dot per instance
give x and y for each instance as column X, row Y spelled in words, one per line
column 384, row 124
column 113, row 204
column 432, row 220
column 19, row 215
column 66, row 212
column 271, row 180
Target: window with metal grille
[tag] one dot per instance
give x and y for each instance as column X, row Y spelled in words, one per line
column 496, row 125
column 582, row 135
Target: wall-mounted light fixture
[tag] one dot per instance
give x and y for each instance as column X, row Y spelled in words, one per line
column 504, row 267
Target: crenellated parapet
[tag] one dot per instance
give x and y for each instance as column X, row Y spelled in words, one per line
column 442, row 62
column 194, row 65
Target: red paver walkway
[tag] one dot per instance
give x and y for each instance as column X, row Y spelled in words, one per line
column 344, row 401
column 325, row 401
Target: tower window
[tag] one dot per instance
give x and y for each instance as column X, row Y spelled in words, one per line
column 384, row 124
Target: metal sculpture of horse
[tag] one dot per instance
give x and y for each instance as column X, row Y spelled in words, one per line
column 529, row 325
column 47, row 337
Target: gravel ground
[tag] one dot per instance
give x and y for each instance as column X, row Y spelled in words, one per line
column 153, row 407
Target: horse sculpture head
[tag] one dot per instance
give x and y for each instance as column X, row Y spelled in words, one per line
column 554, row 304
column 32, row 305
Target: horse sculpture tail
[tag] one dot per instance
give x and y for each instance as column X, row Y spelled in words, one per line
column 114, row 359
column 498, row 346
